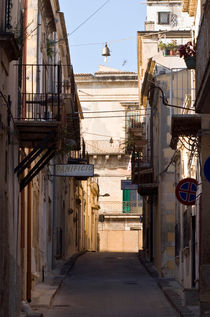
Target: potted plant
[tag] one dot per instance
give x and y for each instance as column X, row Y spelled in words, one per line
column 188, row 52
column 162, row 47
column 172, row 47
column 168, row 48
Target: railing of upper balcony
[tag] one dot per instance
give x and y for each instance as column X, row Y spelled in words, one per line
column 109, row 146
column 41, row 92
column 178, row 85
column 132, row 206
column 140, row 163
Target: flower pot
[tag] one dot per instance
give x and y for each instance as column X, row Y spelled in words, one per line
column 166, row 52
column 172, row 53
column 190, row 62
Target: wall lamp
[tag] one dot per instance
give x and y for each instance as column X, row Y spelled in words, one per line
column 104, row 195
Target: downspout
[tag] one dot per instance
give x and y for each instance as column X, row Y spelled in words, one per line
column 23, row 209
column 171, row 92
column 54, row 214
column 54, row 180
column 29, row 210
column 151, row 197
column 24, row 53
column 38, row 51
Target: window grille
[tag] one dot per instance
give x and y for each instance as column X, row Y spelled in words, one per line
column 163, row 17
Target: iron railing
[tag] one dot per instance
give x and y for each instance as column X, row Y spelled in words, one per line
column 133, row 206
column 41, row 92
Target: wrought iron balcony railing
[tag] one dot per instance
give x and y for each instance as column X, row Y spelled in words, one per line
column 41, row 92
column 142, row 170
column 41, row 106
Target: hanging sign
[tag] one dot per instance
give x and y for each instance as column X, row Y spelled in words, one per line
column 127, row 184
column 186, row 191
column 86, row 170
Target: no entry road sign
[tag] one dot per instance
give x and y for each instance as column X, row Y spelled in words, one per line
column 186, row 191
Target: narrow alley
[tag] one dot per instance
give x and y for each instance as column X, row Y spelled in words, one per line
column 109, row 284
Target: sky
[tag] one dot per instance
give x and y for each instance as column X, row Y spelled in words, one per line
column 115, row 22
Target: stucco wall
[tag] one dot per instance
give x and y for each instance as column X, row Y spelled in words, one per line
column 120, row 241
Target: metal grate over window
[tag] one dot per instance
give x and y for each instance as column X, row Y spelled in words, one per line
column 163, row 17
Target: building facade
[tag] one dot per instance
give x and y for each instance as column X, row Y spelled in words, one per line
column 109, row 101
column 10, row 52
column 46, row 218
column 177, row 95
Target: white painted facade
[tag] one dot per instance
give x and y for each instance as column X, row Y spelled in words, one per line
column 176, row 19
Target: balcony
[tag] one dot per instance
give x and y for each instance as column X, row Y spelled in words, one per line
column 41, row 115
column 136, row 137
column 10, row 45
column 185, row 125
column 47, row 121
column 203, row 64
column 142, row 171
column 143, row 175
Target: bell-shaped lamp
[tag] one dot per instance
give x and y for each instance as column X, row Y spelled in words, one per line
column 106, row 52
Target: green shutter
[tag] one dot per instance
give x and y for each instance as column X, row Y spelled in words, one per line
column 126, row 201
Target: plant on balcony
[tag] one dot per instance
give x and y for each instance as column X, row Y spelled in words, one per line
column 168, row 48
column 188, row 52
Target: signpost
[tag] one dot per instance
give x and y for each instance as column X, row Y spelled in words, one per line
column 76, row 170
column 186, row 191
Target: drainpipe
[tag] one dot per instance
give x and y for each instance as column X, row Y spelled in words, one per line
column 38, row 51
column 151, row 197
column 29, row 210
column 171, row 92
column 23, row 209
column 54, row 215
column 24, row 53
column 54, row 177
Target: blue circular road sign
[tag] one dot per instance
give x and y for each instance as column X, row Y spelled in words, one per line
column 206, row 169
column 186, row 191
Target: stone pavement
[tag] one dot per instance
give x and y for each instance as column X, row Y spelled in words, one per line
column 43, row 293
column 172, row 290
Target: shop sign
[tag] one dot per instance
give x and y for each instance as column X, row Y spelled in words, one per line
column 127, row 184
column 86, row 170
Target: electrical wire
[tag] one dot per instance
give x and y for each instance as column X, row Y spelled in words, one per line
column 171, row 162
column 127, row 118
column 88, row 18
column 120, row 40
column 104, row 111
column 109, row 42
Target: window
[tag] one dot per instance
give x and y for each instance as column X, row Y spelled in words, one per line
column 163, row 17
column 126, row 201
column 132, row 201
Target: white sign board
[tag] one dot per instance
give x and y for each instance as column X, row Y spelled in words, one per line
column 86, row 170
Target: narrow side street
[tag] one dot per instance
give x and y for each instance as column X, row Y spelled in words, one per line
column 109, row 284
